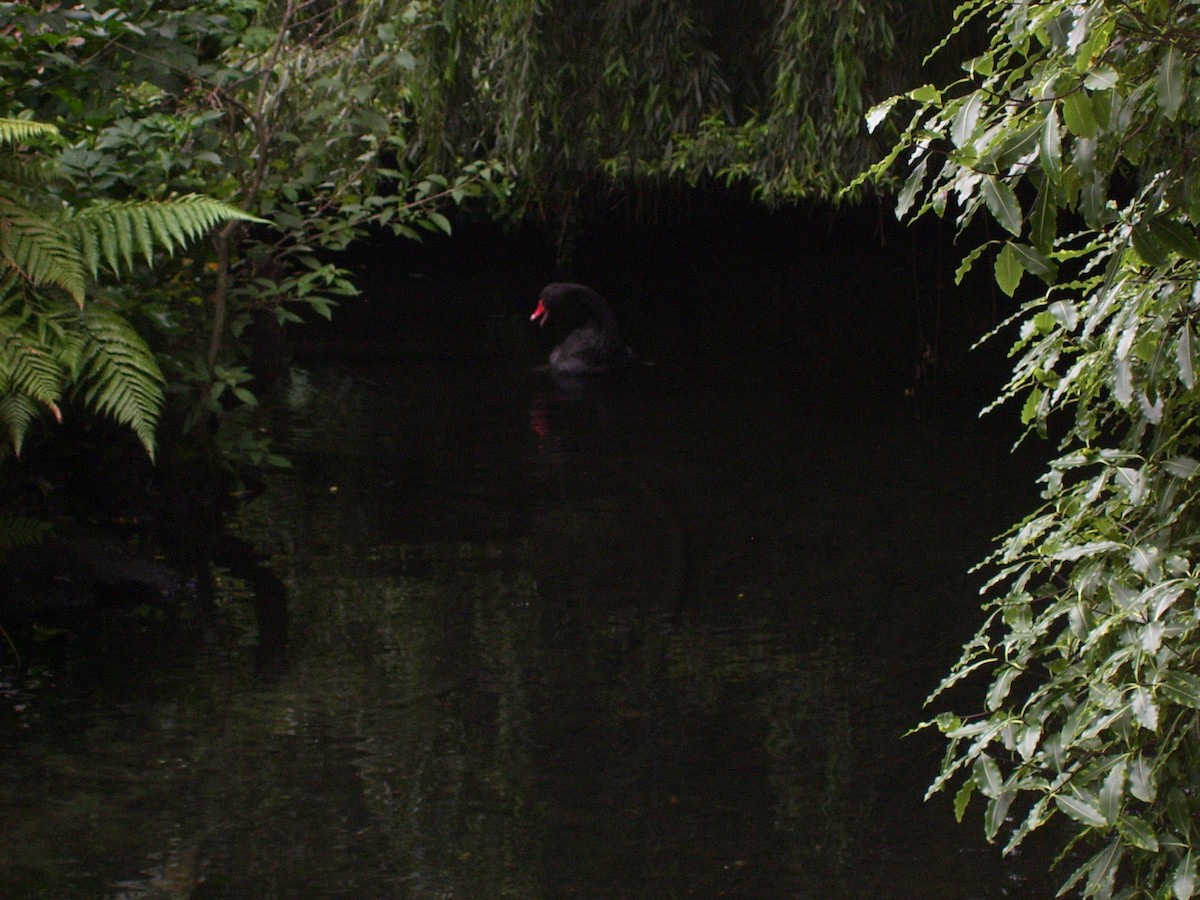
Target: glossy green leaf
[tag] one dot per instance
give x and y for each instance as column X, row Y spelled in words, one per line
column 1123, row 381
column 1152, row 635
column 1179, row 810
column 963, row 798
column 1028, row 741
column 1001, row 685
column 1101, row 78
column 1171, row 84
column 963, row 126
column 1097, row 41
column 1008, row 269
column 1001, row 201
column 926, row 93
column 1081, row 119
column 1111, row 793
column 1093, row 198
column 1148, row 246
column 1065, row 313
column 879, row 112
column 1033, row 403
column 987, row 776
column 1043, row 219
column 996, row 813
column 1034, row 262
column 947, row 723
column 1181, row 466
column 245, row 396
column 1102, row 870
column 1182, row 688
column 1184, row 357
column 1083, row 551
column 1141, row 780
column 968, row 262
column 912, row 186
column 1078, row 114
column 1083, row 809
column 1050, row 146
column 984, row 64
column 1183, row 879
column 1138, row 833
column 1175, row 236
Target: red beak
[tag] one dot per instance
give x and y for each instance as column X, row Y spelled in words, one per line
column 540, row 313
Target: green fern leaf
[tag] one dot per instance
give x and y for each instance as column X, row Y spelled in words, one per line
column 118, row 375
column 18, row 412
column 27, row 366
column 38, row 252
column 48, row 347
column 16, row 131
column 163, row 235
column 142, row 233
column 88, row 242
column 10, row 290
column 112, row 233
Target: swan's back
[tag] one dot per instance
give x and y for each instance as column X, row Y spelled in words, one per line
column 589, row 351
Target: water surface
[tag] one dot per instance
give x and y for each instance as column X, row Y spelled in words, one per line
column 655, row 637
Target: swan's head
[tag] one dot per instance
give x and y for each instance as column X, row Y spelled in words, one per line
column 542, row 312
column 566, row 296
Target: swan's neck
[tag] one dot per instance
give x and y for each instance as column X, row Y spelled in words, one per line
column 601, row 313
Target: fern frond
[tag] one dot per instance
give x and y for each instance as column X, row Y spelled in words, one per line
column 118, row 375
column 38, row 251
column 14, row 131
column 112, row 233
column 17, row 414
column 27, row 366
column 10, row 290
column 46, row 346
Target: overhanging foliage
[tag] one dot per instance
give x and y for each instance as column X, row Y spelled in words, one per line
column 1076, row 132
column 577, row 98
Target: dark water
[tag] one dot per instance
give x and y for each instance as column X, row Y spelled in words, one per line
column 657, row 637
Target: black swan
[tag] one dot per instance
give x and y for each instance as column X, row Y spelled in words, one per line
column 595, row 348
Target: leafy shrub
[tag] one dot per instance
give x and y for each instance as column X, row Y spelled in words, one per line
column 58, row 333
column 1076, row 131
